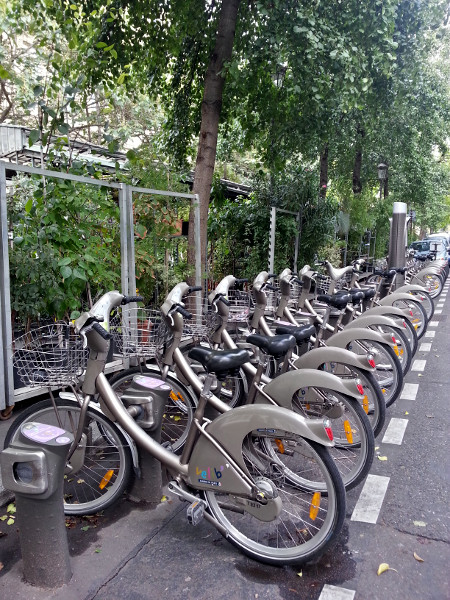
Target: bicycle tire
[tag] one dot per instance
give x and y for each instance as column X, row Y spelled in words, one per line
column 298, row 534
column 407, row 328
column 427, row 301
column 354, row 441
column 388, row 371
column 417, row 316
column 433, row 283
column 179, row 410
column 106, row 470
column 402, row 347
column 372, row 401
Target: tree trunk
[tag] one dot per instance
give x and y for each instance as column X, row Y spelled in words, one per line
column 211, row 107
column 357, row 185
column 323, row 171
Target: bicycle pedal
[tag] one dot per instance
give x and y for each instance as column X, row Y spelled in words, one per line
column 195, row 512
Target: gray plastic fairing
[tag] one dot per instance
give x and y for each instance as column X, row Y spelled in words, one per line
column 319, row 356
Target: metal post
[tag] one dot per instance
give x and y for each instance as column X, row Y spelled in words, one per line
column 397, row 240
column 123, row 240
column 273, row 219
column 198, row 253
column 297, row 242
column 7, row 385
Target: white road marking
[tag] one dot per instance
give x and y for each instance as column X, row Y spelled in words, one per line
column 332, row 592
column 433, row 323
column 438, row 312
column 409, row 391
column 425, row 347
column 429, row 334
column 395, row 431
column 419, row 365
column 370, row 500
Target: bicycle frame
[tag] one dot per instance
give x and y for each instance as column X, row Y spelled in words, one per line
column 210, row 445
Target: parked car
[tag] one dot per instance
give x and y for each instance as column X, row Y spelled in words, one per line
column 420, row 248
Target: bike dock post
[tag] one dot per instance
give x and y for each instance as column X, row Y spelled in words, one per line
column 151, row 394
column 397, row 241
column 33, row 468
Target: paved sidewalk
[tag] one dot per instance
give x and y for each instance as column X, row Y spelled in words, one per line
column 134, row 552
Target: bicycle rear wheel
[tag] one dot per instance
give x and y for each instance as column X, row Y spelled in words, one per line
column 101, row 465
column 388, row 371
column 311, row 515
column 354, row 447
column 372, row 401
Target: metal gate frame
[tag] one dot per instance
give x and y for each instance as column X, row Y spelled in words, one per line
column 273, row 221
column 127, row 272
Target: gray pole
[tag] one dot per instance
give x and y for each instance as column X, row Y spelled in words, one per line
column 397, row 240
column 273, row 219
column 7, row 385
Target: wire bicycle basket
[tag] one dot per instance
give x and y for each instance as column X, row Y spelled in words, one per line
column 51, row 355
column 239, row 307
column 139, row 332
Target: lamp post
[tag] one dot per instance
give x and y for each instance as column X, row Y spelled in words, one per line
column 382, row 176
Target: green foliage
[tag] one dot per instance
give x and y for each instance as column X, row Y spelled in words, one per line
column 66, row 245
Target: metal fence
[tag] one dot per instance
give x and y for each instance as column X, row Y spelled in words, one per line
column 8, row 395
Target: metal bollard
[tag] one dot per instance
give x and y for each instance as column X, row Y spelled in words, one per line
column 151, row 396
column 397, row 240
column 33, row 468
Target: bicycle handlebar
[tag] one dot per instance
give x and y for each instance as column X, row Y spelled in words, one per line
column 183, row 312
column 128, row 299
column 101, row 331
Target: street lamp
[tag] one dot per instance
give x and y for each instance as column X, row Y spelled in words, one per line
column 382, row 175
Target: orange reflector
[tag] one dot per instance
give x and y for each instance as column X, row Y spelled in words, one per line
column 280, row 445
column 383, row 390
column 315, row 505
column 176, row 397
column 106, row 479
column 396, row 350
column 348, row 432
column 366, row 404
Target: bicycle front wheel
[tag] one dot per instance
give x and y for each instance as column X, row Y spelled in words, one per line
column 100, row 469
column 179, row 409
column 310, row 518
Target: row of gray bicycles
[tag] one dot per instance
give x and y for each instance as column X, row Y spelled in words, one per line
column 261, row 400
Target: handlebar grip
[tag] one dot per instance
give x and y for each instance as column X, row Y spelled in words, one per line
column 271, row 275
column 269, row 286
column 128, row 299
column 195, row 288
column 184, row 313
column 224, row 300
column 239, row 281
column 101, row 331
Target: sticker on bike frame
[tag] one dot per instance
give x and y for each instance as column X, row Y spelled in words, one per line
column 207, row 482
column 210, row 475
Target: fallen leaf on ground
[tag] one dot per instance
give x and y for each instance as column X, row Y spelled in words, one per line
column 382, row 457
column 420, row 523
column 164, row 498
column 406, row 413
column 300, row 573
column 417, row 557
column 385, row 567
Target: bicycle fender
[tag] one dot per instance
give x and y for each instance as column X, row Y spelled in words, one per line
column 369, row 320
column 282, row 388
column 348, row 335
column 209, row 468
column 410, row 287
column 317, row 357
column 387, row 310
column 388, row 300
